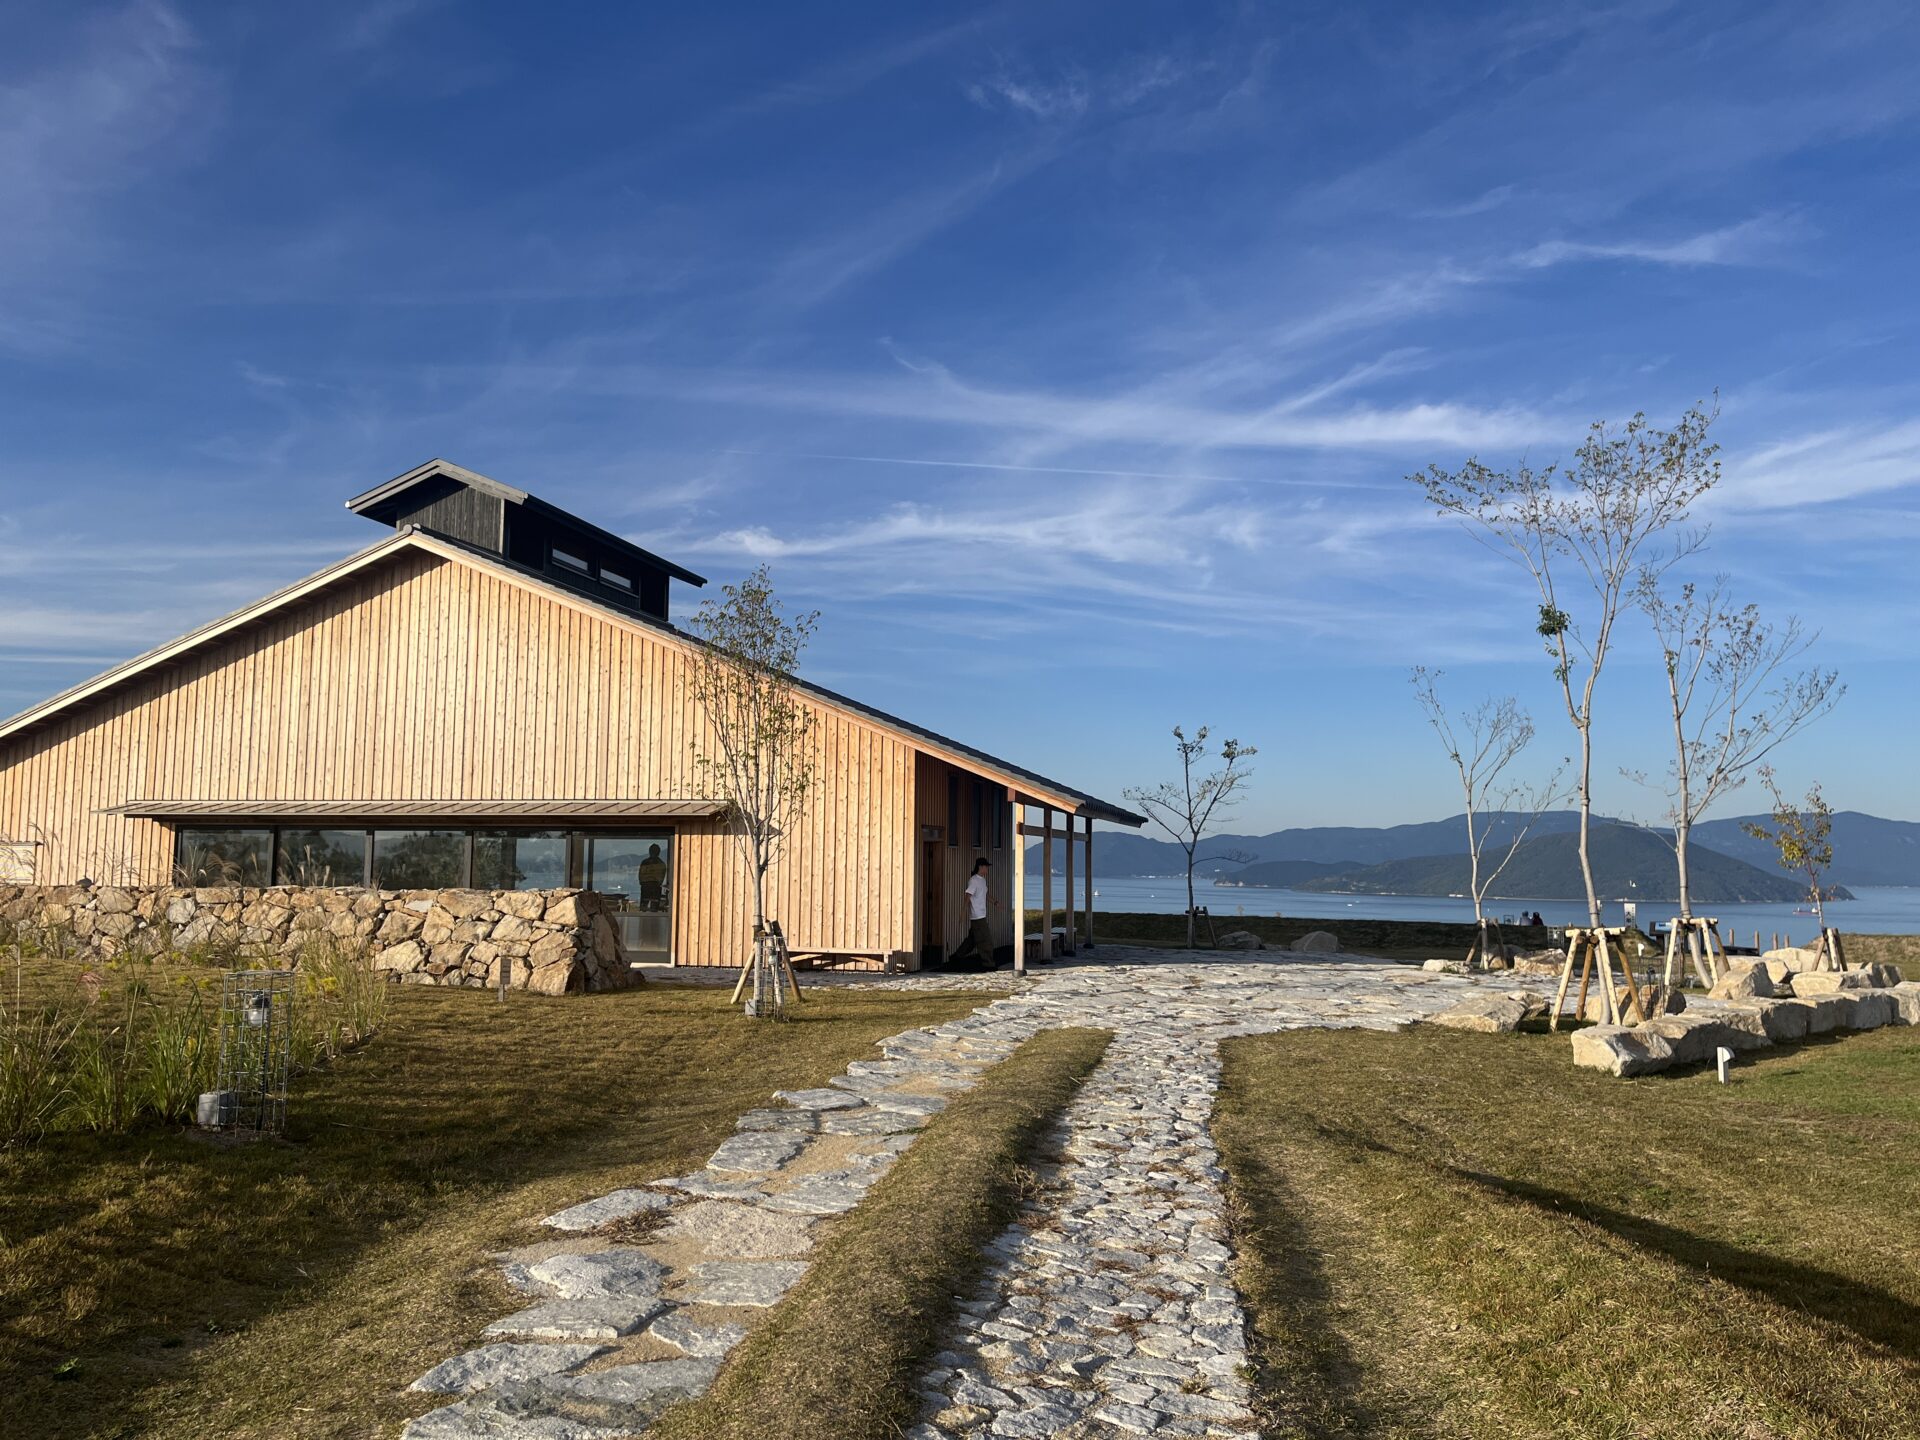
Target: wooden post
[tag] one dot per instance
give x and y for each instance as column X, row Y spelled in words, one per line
column 1087, row 884
column 1566, row 979
column 1073, row 940
column 1046, row 882
column 1019, row 862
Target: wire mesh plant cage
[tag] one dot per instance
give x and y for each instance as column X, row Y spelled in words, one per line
column 256, row 1044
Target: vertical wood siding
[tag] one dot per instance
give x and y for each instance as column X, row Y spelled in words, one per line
column 427, row 679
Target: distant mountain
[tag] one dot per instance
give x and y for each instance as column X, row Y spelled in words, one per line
column 1866, row 849
column 1628, row 863
column 1119, row 855
column 1286, row 874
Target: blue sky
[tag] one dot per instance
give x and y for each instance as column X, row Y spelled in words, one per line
column 1069, row 357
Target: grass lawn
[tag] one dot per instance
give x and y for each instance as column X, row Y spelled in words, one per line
column 1449, row 1234
column 160, row 1284
column 839, row 1359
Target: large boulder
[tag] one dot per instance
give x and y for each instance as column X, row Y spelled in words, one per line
column 1621, row 1051
column 1241, row 940
column 1906, row 1002
column 1318, row 942
column 1871, row 1009
column 1694, row 1037
column 1744, row 982
column 1781, row 1021
column 1493, row 1014
column 1795, row 957
column 1825, row 1013
column 1830, row 982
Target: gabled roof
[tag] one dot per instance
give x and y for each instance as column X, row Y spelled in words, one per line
column 373, row 499
column 381, row 504
column 1018, row 778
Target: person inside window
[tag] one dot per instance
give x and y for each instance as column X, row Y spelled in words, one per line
column 653, row 880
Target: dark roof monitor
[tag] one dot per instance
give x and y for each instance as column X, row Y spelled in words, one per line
column 479, row 512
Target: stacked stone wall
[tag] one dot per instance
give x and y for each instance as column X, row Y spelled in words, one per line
column 551, row 941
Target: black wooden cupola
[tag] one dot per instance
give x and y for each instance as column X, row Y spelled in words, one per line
column 473, row 510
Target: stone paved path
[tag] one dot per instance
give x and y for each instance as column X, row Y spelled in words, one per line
column 1107, row 1309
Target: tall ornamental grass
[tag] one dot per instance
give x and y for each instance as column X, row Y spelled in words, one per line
column 111, row 1045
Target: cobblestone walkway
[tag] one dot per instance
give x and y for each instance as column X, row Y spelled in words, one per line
column 1107, row 1309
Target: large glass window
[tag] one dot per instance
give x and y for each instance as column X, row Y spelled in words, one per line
column 519, row 859
column 321, row 857
column 419, row 859
column 636, row 871
column 637, row 868
column 223, row 857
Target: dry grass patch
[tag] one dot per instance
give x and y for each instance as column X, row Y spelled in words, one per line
column 156, row 1284
column 1458, row 1235
column 837, row 1360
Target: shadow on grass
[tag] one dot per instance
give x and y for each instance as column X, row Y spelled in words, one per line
column 1872, row 1314
column 1311, row 1383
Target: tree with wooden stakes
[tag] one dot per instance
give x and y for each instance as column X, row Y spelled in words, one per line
column 1580, row 532
column 756, row 754
column 1731, row 701
column 1483, row 743
column 1187, row 808
column 1802, row 832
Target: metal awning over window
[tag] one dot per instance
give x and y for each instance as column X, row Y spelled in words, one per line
column 416, row 810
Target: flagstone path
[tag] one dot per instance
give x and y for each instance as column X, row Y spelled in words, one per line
column 1107, row 1308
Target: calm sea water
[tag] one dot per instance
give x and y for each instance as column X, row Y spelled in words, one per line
column 1877, row 911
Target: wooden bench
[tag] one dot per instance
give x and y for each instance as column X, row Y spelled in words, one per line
column 820, row 957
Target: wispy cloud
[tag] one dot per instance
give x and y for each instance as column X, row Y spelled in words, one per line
column 1824, row 466
column 1762, row 240
column 822, row 268
column 72, row 137
column 1039, row 99
column 1072, row 91
column 935, row 394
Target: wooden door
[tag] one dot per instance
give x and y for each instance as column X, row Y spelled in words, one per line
column 933, row 901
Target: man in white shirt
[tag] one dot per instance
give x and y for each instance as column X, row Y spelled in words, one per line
column 979, row 930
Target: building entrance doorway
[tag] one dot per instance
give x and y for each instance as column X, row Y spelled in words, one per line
column 933, row 901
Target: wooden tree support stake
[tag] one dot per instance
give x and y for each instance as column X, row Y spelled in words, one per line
column 1829, row 945
column 1590, row 951
column 1705, row 951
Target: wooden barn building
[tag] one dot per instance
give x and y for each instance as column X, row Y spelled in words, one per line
column 494, row 696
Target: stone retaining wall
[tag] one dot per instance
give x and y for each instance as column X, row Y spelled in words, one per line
column 554, row 940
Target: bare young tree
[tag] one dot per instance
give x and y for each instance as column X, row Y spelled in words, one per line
column 1185, row 808
column 1591, row 522
column 1482, row 743
column 1727, row 697
column 1802, row 832
column 756, row 755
